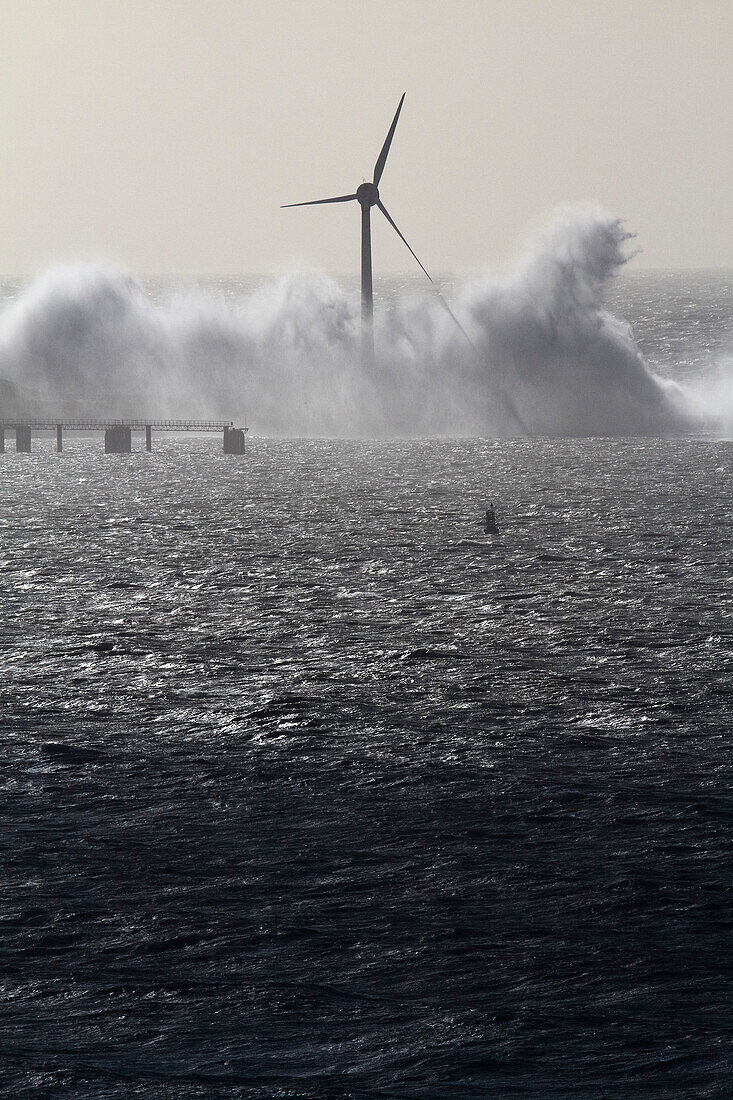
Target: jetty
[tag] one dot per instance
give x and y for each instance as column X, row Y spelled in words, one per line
column 118, row 433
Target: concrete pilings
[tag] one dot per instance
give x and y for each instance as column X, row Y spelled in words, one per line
column 233, row 441
column 118, row 441
column 117, row 434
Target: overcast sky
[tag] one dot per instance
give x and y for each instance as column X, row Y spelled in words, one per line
column 165, row 134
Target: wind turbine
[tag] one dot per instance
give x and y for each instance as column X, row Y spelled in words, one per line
column 367, row 195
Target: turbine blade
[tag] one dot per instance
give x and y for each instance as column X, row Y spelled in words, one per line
column 382, row 158
column 383, row 208
column 443, row 302
column 319, row 202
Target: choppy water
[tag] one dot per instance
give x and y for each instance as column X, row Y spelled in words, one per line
column 310, row 788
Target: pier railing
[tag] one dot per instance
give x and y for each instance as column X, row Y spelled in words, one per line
column 76, row 424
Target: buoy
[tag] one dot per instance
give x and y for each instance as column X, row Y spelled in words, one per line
column 490, row 527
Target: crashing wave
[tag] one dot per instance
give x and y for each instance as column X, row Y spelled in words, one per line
column 538, row 353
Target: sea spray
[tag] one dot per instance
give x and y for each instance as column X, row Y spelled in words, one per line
column 710, row 398
column 535, row 351
column 570, row 366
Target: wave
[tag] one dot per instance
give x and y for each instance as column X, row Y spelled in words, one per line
column 534, row 353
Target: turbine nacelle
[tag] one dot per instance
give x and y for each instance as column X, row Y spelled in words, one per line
column 367, row 194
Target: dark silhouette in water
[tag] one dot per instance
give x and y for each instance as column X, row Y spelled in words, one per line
column 490, row 527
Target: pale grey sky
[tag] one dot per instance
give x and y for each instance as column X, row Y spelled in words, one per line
column 165, row 134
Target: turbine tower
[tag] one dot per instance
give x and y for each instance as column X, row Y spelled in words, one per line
column 367, row 195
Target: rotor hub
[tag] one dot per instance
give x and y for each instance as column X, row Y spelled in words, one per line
column 367, row 194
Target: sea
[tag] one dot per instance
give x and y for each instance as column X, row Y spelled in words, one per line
column 309, row 787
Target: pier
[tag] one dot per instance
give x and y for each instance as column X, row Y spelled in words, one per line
column 118, row 433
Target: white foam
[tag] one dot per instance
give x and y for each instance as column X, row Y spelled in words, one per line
column 543, row 356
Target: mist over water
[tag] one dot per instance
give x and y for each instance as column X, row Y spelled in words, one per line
column 539, row 354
